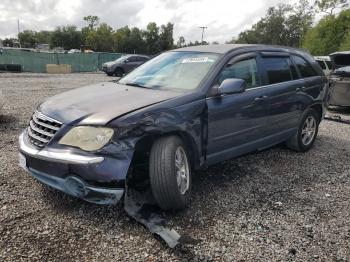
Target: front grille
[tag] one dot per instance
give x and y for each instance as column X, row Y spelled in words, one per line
column 41, row 129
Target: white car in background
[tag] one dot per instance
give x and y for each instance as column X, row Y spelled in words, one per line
column 74, row 51
column 325, row 63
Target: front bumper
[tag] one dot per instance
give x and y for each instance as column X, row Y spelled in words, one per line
column 77, row 187
column 107, row 70
column 92, row 178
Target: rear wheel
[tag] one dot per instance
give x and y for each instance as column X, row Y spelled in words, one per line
column 304, row 139
column 170, row 173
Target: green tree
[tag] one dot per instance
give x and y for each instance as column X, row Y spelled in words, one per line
column 27, row 38
column 67, row 37
column 9, row 42
column 92, row 21
column 328, row 6
column 166, row 40
column 345, row 45
column 121, row 38
column 135, row 43
column 282, row 25
column 101, row 39
column 329, row 35
column 152, row 38
column 43, row 37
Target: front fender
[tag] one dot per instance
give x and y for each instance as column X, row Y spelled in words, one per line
column 189, row 120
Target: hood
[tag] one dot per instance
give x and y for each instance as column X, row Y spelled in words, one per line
column 98, row 104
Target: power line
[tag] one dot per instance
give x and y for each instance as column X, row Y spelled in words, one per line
column 203, row 28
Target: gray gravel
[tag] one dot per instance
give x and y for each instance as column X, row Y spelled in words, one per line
column 275, row 205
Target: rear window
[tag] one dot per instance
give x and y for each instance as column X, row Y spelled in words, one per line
column 304, row 67
column 279, row 69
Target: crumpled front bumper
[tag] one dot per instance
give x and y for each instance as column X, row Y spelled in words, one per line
column 77, row 187
column 60, row 169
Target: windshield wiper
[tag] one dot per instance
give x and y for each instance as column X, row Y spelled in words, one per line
column 135, row 84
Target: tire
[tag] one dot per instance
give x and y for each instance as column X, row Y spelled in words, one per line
column 109, row 74
column 298, row 142
column 170, row 190
column 119, row 72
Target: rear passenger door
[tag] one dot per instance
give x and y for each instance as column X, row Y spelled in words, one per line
column 283, row 86
column 313, row 83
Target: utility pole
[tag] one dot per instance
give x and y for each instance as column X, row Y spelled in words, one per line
column 18, row 31
column 203, row 28
column 18, row 26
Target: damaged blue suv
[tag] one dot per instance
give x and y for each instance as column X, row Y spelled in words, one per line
column 179, row 112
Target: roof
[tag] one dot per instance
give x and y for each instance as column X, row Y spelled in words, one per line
column 220, row 49
column 225, row 48
column 341, row 53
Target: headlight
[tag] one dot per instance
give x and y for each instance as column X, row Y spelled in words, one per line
column 87, row 138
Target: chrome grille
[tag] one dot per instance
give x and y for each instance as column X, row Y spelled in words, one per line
column 41, row 129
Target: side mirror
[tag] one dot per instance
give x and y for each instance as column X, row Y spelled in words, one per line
column 232, row 86
column 126, row 61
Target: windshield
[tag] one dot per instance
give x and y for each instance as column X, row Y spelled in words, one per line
column 172, row 70
column 122, row 58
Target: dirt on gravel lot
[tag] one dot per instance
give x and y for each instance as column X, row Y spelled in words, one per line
column 276, row 205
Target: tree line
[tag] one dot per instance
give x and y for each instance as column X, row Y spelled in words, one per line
column 101, row 37
column 295, row 26
column 284, row 24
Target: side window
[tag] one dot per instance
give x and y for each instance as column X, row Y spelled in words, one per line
column 329, row 65
column 142, row 59
column 244, row 69
column 133, row 59
column 279, row 69
column 304, row 67
column 322, row 64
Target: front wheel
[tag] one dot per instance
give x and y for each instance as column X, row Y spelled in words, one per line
column 170, row 173
column 304, row 139
column 119, row 72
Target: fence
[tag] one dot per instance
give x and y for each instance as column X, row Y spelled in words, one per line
column 36, row 62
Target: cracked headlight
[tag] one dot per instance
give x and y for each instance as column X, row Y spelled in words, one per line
column 87, row 138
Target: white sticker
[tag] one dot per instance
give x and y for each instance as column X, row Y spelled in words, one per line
column 195, row 60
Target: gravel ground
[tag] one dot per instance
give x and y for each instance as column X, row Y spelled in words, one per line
column 275, row 205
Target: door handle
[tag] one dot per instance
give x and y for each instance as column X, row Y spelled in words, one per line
column 300, row 89
column 260, row 99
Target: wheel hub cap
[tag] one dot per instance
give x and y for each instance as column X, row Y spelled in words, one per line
column 182, row 170
column 308, row 131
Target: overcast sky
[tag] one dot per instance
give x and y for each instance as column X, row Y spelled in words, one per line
column 224, row 18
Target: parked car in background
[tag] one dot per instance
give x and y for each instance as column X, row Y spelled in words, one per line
column 124, row 64
column 325, row 63
column 179, row 112
column 339, row 91
column 74, row 51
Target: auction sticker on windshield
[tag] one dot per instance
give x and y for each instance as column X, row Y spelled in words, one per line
column 195, row 60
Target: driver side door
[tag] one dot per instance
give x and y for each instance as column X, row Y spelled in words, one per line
column 236, row 122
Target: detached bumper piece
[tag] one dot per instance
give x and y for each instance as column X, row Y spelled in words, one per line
column 77, row 187
column 141, row 207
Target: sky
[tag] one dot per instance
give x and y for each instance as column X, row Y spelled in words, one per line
column 224, row 18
